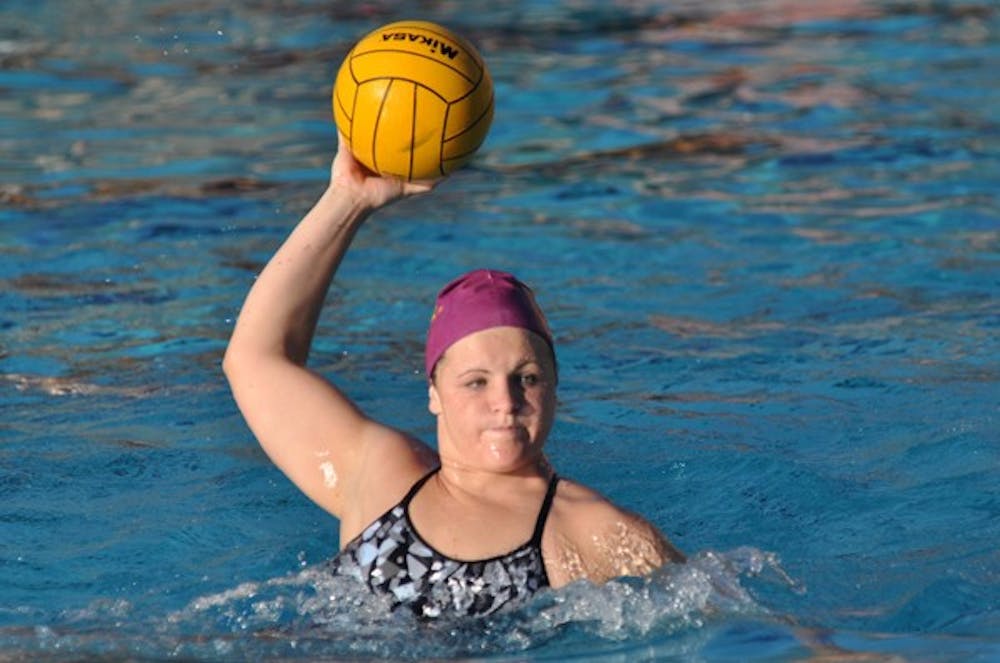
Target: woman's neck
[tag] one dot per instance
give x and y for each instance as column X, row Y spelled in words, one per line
column 466, row 483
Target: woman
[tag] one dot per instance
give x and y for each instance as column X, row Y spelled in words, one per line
column 478, row 523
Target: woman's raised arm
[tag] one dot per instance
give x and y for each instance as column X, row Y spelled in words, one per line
column 307, row 426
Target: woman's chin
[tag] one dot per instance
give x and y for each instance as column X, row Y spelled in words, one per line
column 508, row 448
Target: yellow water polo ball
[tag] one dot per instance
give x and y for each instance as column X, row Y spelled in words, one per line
column 414, row 100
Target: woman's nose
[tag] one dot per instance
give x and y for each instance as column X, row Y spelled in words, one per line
column 508, row 396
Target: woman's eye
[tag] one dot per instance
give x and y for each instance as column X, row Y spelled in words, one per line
column 477, row 383
column 529, row 380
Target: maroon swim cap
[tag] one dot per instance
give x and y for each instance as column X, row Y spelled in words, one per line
column 481, row 299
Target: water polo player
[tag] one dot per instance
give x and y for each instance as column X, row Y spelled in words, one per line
column 474, row 523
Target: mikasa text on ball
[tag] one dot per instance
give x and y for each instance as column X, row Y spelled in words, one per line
column 414, row 100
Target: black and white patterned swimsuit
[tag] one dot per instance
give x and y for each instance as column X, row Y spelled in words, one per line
column 392, row 558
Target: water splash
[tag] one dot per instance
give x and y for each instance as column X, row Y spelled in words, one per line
column 678, row 597
column 311, row 613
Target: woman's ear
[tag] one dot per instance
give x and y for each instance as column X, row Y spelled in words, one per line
column 433, row 400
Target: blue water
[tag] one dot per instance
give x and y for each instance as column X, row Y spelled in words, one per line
column 766, row 235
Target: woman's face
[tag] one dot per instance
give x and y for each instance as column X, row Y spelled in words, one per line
column 494, row 396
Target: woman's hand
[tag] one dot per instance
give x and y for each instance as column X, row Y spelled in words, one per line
column 370, row 188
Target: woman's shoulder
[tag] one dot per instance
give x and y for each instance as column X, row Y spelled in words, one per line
column 392, row 463
column 580, row 505
column 591, row 537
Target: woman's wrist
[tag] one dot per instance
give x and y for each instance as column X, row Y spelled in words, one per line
column 345, row 204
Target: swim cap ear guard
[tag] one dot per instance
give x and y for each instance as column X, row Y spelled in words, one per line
column 481, row 299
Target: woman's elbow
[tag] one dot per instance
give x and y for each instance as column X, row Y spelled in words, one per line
column 233, row 360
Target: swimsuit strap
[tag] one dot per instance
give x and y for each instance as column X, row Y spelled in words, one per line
column 405, row 502
column 543, row 513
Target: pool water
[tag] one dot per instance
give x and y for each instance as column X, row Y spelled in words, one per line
column 766, row 235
